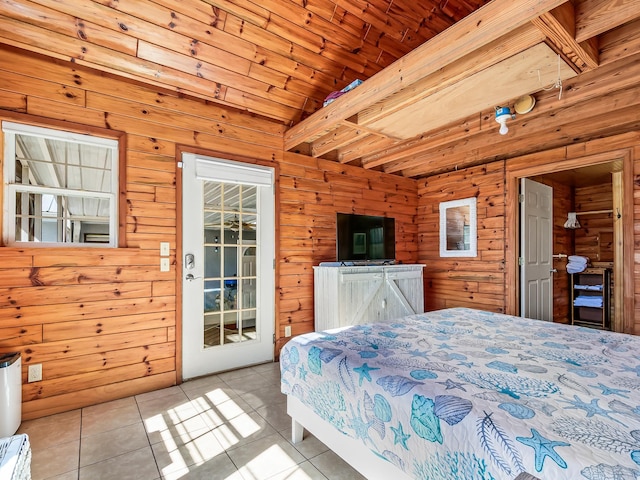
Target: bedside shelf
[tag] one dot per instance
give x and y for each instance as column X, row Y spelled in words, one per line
column 590, row 298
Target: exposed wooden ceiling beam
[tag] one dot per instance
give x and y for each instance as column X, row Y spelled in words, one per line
column 551, row 136
column 559, row 25
column 490, row 54
column 620, row 42
column 485, row 25
column 467, row 137
column 594, row 17
column 355, row 150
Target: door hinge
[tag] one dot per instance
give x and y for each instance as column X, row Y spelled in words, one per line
column 521, row 198
column 274, row 338
column 274, row 263
column 520, row 261
column 180, row 164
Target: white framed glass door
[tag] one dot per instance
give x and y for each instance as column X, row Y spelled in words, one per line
column 228, row 286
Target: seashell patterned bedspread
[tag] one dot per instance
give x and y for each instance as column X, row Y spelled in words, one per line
column 466, row 394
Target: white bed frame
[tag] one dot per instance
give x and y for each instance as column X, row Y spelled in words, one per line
column 352, row 451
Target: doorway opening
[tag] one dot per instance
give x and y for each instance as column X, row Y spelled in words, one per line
column 595, row 188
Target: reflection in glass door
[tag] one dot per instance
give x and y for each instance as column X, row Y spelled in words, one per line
column 230, row 225
column 228, row 239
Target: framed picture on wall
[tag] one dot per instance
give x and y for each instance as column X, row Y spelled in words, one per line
column 458, row 231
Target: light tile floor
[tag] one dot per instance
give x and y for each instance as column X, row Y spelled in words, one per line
column 230, row 426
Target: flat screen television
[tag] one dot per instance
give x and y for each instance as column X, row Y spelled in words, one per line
column 365, row 238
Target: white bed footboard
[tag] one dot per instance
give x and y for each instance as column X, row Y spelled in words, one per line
column 353, row 452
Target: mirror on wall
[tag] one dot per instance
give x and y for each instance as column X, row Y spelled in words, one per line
column 458, row 232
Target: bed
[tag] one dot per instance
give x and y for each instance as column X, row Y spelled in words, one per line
column 468, row 394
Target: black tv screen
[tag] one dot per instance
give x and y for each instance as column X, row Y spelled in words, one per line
column 365, row 238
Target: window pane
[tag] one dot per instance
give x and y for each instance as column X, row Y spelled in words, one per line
column 230, row 262
column 212, row 256
column 63, row 186
column 232, row 197
column 50, row 218
column 212, row 195
column 249, row 293
column 212, row 329
column 63, row 164
column 212, row 296
column 249, row 199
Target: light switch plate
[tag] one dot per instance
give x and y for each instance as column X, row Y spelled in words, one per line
column 287, row 331
column 164, row 249
column 164, row 264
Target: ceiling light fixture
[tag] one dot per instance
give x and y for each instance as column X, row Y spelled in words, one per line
column 524, row 104
column 502, row 115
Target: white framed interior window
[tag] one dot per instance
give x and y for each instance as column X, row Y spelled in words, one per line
column 60, row 188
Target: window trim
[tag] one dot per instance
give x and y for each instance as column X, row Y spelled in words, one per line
column 114, row 142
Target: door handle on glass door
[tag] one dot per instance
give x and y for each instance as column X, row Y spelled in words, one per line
column 190, row 277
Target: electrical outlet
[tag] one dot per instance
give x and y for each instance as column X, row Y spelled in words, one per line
column 164, row 249
column 164, row 264
column 35, row 373
column 287, row 331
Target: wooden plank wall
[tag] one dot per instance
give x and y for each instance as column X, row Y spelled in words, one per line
column 102, row 322
column 563, row 242
column 482, row 282
column 595, row 237
column 312, row 191
column 464, row 282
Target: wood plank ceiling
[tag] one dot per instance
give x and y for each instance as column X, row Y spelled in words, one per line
column 280, row 58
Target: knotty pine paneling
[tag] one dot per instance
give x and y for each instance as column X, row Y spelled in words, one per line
column 594, row 238
column 312, row 192
column 101, row 321
column 472, row 282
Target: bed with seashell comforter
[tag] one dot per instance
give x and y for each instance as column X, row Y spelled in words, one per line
column 467, row 394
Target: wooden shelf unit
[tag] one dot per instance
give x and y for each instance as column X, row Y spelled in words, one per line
column 584, row 286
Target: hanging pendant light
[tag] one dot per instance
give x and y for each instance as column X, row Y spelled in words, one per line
column 572, row 221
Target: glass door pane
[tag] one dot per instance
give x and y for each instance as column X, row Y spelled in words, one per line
column 230, row 229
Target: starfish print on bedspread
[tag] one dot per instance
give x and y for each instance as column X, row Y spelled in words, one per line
column 399, row 436
column 418, row 353
column 364, row 372
column 611, row 391
column 591, row 409
column 543, row 447
column 450, row 384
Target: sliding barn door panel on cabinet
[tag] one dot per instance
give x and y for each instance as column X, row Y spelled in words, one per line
column 366, row 294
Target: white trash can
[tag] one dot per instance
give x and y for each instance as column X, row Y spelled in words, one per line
column 10, row 393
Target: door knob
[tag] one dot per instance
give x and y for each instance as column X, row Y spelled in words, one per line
column 190, row 277
column 554, row 270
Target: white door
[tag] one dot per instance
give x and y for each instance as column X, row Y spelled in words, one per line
column 536, row 239
column 228, row 287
